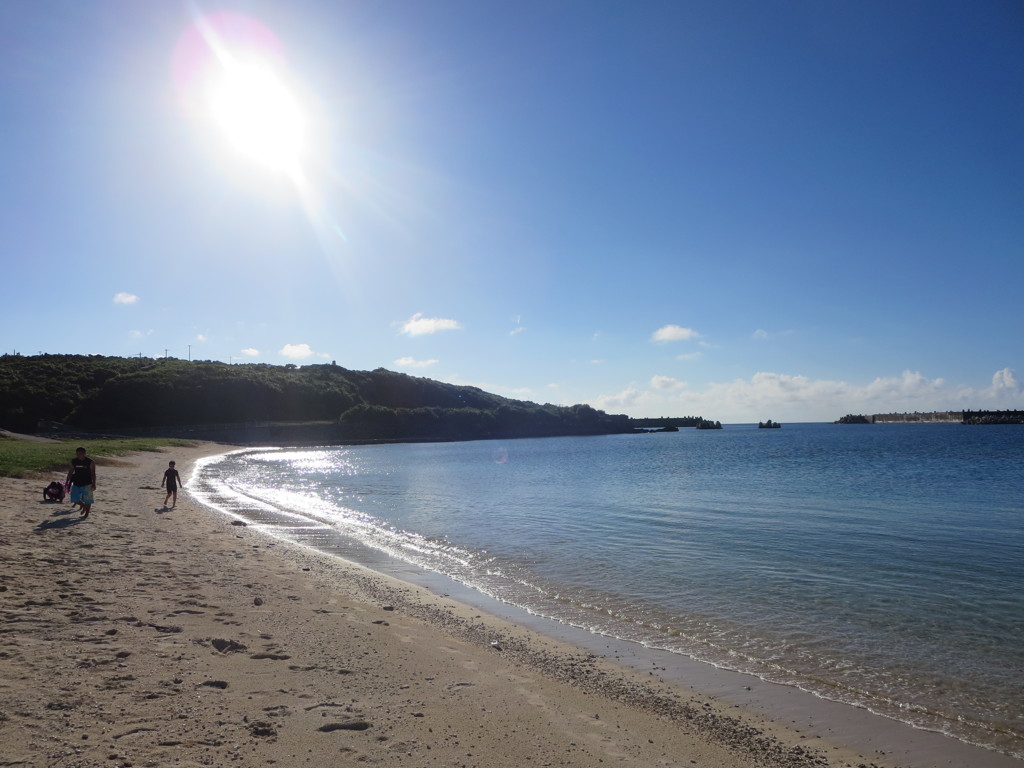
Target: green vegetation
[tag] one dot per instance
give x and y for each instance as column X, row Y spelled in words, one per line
column 708, row 424
column 170, row 396
column 19, row 458
column 50, row 386
column 853, row 419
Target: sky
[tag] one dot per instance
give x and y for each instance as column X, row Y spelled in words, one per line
column 737, row 210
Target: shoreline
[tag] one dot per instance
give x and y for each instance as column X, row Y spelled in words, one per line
column 140, row 635
column 857, row 727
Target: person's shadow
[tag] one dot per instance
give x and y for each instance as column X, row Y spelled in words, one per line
column 62, row 511
column 59, row 523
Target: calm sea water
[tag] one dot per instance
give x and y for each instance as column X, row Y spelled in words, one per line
column 879, row 565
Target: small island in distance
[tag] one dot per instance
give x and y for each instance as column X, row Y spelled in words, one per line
column 708, row 424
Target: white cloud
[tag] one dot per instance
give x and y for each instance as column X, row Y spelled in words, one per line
column 296, row 351
column 689, row 356
column 140, row 334
column 628, row 400
column 411, row 362
column 799, row 398
column 201, row 337
column 666, row 383
column 1005, row 381
column 760, row 333
column 250, row 352
column 673, row 333
column 1005, row 392
column 516, row 331
column 418, row 325
column 788, row 397
column 125, row 298
column 910, row 384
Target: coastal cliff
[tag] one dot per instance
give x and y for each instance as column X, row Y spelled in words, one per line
column 258, row 403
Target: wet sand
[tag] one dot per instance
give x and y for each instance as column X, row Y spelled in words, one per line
column 145, row 636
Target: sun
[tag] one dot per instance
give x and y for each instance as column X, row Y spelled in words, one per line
column 257, row 113
column 232, row 75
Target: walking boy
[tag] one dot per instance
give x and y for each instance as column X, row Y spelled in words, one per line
column 172, row 480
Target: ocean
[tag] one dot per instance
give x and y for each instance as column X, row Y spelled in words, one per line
column 876, row 565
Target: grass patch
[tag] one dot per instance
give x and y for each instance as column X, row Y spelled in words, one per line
column 21, row 458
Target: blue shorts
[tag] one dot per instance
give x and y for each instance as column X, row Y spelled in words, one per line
column 81, row 493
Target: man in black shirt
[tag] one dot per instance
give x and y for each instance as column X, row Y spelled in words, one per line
column 82, row 476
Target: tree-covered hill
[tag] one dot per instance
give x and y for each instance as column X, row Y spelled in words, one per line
column 114, row 393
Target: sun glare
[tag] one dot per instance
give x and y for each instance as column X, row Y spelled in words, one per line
column 231, row 71
column 258, row 115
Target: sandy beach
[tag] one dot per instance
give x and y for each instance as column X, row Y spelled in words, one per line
column 145, row 636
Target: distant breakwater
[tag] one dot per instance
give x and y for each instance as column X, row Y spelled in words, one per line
column 947, row 417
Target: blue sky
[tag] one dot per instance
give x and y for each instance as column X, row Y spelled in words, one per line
column 740, row 210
